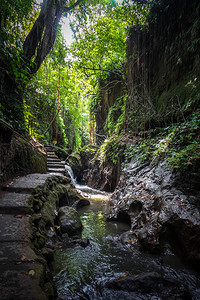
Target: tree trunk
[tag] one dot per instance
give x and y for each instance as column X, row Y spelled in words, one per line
column 36, row 47
column 41, row 38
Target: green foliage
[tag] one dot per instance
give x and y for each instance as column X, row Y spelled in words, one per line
column 116, row 116
column 179, row 144
column 66, row 86
column 15, row 10
column 42, row 105
column 187, row 159
column 101, row 37
column 112, row 150
column 15, row 20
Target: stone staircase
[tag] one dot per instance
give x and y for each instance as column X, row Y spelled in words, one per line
column 21, row 271
column 54, row 164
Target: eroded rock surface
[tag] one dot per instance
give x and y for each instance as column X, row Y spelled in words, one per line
column 159, row 212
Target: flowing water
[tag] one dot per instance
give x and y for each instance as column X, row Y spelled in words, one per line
column 81, row 273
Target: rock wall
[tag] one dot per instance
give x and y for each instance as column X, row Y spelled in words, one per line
column 17, row 156
column 163, row 68
column 162, row 216
column 109, row 90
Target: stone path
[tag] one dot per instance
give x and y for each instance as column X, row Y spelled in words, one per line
column 54, row 164
column 21, row 270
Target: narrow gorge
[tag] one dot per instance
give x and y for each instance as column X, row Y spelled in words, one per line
column 100, row 150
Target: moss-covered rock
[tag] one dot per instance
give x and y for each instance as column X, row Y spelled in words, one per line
column 22, row 158
column 62, row 153
column 69, row 220
column 45, row 202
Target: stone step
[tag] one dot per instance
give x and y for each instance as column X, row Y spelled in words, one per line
column 26, row 184
column 50, row 152
column 48, row 147
column 52, row 156
column 59, row 170
column 56, row 164
column 21, row 272
column 15, row 203
column 52, row 159
column 56, row 174
column 15, row 228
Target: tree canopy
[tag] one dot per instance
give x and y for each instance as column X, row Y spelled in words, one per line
column 48, row 88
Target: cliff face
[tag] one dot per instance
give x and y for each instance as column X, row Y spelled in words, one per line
column 163, row 66
column 109, row 91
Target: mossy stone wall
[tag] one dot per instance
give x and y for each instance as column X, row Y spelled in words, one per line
column 19, row 157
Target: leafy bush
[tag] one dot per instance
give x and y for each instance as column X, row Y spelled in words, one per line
column 112, row 150
column 179, row 143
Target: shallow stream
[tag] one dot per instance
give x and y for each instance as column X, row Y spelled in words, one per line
column 81, row 273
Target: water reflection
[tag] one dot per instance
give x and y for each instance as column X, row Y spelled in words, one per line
column 80, row 273
column 80, row 267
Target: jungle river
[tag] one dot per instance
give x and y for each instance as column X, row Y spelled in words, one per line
column 95, row 272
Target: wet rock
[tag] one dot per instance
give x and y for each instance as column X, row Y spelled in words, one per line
column 151, row 284
column 160, row 212
column 47, row 253
column 84, row 242
column 70, row 196
column 51, row 239
column 135, row 207
column 69, row 220
column 129, row 239
column 121, row 216
column 81, row 203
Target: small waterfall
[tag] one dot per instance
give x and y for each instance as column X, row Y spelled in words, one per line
column 83, row 188
column 71, row 174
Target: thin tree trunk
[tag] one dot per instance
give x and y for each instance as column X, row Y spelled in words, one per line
column 58, row 104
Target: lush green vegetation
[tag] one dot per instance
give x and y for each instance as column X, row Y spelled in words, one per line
column 179, row 144
column 51, row 93
column 54, row 93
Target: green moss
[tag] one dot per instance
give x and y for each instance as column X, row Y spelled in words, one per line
column 179, row 98
column 23, row 159
column 74, row 159
column 112, row 150
column 178, row 143
column 62, row 153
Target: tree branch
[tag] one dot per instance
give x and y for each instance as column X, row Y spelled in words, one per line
column 67, row 9
column 103, row 70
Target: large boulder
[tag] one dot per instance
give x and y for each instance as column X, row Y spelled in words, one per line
column 69, row 221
